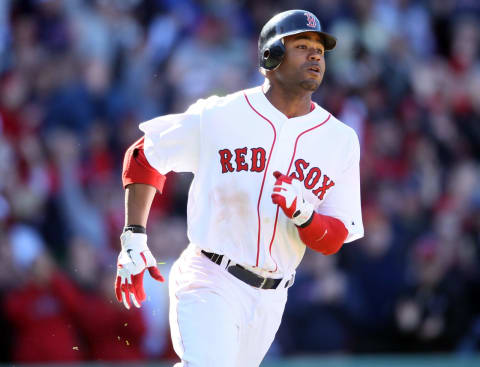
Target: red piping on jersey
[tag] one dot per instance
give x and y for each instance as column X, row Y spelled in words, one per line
column 298, row 137
column 288, row 172
column 264, row 174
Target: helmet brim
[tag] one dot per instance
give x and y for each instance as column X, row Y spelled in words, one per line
column 329, row 42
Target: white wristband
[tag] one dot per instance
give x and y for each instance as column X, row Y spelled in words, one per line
column 305, row 211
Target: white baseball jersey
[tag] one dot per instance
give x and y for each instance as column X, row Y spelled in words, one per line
column 233, row 144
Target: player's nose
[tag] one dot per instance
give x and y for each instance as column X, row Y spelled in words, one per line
column 315, row 56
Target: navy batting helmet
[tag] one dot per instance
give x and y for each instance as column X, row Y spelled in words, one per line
column 270, row 46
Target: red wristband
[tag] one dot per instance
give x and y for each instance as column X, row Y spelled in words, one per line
column 324, row 234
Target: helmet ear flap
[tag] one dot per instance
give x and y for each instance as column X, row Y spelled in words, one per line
column 272, row 55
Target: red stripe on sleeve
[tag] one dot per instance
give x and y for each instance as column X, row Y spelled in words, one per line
column 136, row 168
column 324, row 234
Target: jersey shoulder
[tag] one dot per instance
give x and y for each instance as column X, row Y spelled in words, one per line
column 343, row 135
column 339, row 127
column 218, row 102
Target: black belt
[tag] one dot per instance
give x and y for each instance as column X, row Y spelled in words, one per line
column 245, row 275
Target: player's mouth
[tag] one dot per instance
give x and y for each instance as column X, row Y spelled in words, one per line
column 314, row 69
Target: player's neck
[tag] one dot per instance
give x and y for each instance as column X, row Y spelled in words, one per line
column 291, row 104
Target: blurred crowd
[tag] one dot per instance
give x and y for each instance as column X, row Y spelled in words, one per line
column 76, row 78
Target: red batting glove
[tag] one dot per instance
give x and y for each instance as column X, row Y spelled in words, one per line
column 133, row 260
column 287, row 193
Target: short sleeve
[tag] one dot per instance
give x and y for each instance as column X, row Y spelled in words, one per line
column 172, row 142
column 344, row 201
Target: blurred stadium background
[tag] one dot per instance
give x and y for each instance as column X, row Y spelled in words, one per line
column 76, row 78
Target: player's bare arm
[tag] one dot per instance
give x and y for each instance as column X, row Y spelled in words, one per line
column 138, row 200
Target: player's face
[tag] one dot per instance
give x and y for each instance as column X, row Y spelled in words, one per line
column 304, row 62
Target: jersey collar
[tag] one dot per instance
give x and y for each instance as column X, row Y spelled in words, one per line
column 260, row 102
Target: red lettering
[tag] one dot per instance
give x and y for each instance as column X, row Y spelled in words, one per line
column 240, row 159
column 312, row 178
column 311, row 22
column 225, row 157
column 300, row 165
column 258, row 159
column 320, row 192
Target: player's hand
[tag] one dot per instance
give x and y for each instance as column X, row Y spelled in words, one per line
column 133, row 260
column 287, row 193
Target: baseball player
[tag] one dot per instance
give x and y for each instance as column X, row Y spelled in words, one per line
column 273, row 173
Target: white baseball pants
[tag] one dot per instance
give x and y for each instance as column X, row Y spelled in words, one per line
column 218, row 320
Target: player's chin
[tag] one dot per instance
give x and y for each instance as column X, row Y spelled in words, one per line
column 311, row 84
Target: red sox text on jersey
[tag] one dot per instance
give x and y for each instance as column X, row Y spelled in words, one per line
column 235, row 162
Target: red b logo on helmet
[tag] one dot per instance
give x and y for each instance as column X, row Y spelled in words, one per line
column 311, row 22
